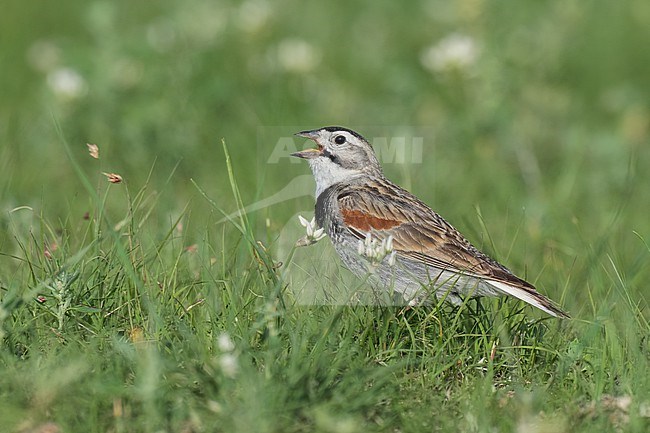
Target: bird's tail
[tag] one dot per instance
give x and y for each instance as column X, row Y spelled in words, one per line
column 530, row 296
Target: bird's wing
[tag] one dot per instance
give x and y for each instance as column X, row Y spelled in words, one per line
column 380, row 209
column 418, row 232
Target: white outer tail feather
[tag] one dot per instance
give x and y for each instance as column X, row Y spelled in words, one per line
column 522, row 295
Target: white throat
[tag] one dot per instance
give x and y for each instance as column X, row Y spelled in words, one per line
column 327, row 173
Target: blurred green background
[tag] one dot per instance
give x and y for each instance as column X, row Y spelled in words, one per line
column 543, row 87
column 537, row 112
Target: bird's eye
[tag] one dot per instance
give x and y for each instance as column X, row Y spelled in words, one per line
column 339, row 139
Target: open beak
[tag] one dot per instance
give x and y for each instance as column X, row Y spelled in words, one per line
column 309, row 153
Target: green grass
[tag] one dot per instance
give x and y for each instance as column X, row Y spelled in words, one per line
column 154, row 306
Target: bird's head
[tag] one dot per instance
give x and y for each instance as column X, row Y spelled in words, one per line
column 341, row 156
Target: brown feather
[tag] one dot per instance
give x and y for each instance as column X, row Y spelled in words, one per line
column 418, row 232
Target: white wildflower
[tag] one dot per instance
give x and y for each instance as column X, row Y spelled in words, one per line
column 391, row 259
column 228, row 364
column 456, row 51
column 368, row 246
column 303, row 221
column 297, row 55
column 314, row 233
column 66, row 83
column 228, row 358
column 225, row 343
column 375, row 250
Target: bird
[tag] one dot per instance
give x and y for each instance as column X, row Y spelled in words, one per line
column 384, row 233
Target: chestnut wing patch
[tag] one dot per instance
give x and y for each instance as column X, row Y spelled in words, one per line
column 431, row 240
column 366, row 222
